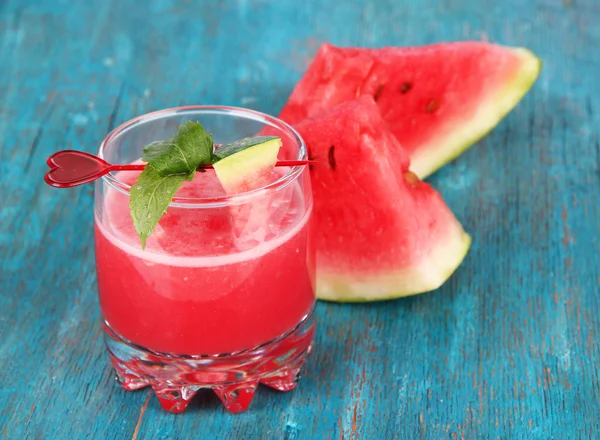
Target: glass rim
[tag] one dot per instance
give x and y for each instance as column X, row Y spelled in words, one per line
column 219, row 201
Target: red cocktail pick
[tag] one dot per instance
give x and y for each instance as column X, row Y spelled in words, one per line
column 70, row 168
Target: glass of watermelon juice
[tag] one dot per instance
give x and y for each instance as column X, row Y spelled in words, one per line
column 222, row 297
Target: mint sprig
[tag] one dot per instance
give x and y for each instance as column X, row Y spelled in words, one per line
column 149, row 199
column 170, row 163
column 182, row 153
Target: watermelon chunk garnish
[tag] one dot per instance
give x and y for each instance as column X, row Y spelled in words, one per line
column 437, row 100
column 381, row 232
column 246, row 165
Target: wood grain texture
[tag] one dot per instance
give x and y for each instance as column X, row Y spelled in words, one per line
column 508, row 348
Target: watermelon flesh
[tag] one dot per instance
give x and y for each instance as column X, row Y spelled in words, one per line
column 334, row 76
column 437, row 100
column 381, row 233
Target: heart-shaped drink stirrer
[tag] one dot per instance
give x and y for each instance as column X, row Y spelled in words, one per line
column 70, row 168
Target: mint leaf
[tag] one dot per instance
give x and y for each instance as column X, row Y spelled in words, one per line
column 149, row 199
column 182, row 153
column 170, row 163
column 156, row 150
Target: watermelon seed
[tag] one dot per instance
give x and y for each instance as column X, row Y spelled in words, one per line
column 411, row 178
column 310, row 165
column 377, row 93
column 331, row 157
column 405, row 87
column 432, row 106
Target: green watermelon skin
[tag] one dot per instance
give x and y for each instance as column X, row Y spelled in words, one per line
column 380, row 232
column 437, row 100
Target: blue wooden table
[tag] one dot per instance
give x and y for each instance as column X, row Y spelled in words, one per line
column 508, row 348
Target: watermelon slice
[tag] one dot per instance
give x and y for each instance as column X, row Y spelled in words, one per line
column 437, row 100
column 381, row 233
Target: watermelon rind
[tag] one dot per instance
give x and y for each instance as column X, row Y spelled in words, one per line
column 448, row 146
column 226, row 150
column 439, row 265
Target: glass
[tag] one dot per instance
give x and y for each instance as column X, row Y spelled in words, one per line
column 223, row 295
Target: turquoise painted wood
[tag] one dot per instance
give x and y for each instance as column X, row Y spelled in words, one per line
column 508, row 348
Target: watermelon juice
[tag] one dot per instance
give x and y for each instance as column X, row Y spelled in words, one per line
column 198, row 288
column 223, row 293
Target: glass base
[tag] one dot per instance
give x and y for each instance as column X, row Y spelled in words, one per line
column 234, row 378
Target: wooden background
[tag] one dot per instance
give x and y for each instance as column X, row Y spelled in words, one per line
column 508, row 348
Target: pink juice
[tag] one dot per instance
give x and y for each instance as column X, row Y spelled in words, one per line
column 200, row 287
